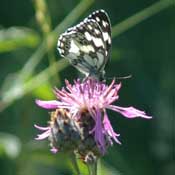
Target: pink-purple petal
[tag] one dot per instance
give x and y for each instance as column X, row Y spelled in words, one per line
column 108, row 128
column 52, row 104
column 99, row 136
column 43, row 135
column 54, row 150
column 41, row 127
column 129, row 112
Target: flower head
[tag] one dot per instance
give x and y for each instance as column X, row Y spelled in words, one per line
column 90, row 98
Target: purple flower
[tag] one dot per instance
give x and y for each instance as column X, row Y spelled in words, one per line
column 95, row 98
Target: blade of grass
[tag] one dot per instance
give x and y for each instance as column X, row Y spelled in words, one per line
column 140, row 16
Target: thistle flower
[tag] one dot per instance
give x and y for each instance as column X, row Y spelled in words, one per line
column 84, row 106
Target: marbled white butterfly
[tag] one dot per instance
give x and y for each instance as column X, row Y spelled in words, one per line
column 87, row 44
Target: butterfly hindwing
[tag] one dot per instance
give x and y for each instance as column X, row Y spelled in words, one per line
column 86, row 45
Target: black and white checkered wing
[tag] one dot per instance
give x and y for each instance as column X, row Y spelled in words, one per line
column 101, row 17
column 86, row 45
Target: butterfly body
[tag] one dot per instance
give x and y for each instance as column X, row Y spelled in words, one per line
column 87, row 44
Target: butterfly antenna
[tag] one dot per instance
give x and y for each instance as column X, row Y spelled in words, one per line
column 121, row 78
column 125, row 77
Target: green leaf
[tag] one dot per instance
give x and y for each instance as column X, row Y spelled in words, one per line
column 17, row 37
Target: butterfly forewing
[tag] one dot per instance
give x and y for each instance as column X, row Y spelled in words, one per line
column 87, row 44
column 101, row 17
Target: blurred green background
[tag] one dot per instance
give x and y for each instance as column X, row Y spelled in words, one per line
column 143, row 45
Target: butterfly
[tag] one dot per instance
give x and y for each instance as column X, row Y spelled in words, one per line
column 87, row 44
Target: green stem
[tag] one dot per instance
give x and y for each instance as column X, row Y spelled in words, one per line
column 92, row 167
column 140, row 16
column 44, row 21
column 74, row 163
